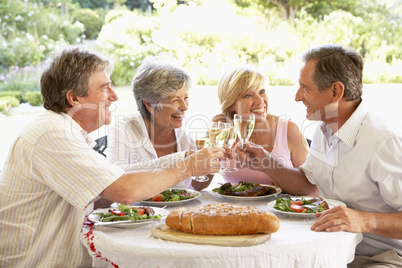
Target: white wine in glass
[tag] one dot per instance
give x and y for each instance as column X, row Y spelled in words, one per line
column 244, row 125
column 200, row 142
column 231, row 138
column 223, row 134
column 219, row 133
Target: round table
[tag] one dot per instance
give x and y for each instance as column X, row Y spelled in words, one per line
column 294, row 245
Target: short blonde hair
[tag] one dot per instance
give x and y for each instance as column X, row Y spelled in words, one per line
column 235, row 83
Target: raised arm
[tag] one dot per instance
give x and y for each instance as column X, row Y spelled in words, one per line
column 139, row 185
column 292, row 180
column 153, row 164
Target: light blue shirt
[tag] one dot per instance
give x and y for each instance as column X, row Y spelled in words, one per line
column 360, row 165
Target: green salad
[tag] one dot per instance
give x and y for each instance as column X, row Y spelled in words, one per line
column 125, row 212
column 242, row 186
column 172, row 195
column 301, row 204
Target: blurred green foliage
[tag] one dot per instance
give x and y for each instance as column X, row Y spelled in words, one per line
column 8, row 102
column 34, row 98
column 93, row 4
column 14, row 98
column 31, row 30
column 16, row 85
column 15, row 94
column 91, row 21
column 207, row 37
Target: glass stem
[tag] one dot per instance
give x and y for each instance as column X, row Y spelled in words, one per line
column 243, row 164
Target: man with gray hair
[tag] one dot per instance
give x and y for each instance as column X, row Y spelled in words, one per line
column 354, row 157
column 52, row 176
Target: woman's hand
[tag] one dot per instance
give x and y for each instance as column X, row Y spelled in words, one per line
column 205, row 161
column 188, row 153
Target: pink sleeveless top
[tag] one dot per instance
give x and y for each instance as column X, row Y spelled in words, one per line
column 280, row 151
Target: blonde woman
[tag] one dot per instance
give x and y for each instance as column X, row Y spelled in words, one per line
column 243, row 91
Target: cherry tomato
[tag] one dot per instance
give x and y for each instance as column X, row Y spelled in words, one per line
column 118, row 212
column 140, row 211
column 300, row 203
column 157, row 198
column 298, row 208
column 185, row 193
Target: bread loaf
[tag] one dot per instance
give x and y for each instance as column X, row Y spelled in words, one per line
column 223, row 219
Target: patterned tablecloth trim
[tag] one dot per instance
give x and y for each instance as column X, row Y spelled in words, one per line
column 88, row 228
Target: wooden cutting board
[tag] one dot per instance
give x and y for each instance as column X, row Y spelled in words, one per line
column 165, row 232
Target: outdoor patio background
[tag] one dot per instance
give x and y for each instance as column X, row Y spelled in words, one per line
column 383, row 99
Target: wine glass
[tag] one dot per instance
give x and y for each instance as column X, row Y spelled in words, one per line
column 218, row 133
column 201, row 141
column 223, row 134
column 244, row 125
column 231, row 138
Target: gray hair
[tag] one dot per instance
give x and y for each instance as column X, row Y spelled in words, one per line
column 155, row 80
column 71, row 69
column 336, row 63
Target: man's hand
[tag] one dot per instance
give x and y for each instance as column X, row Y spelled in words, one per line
column 340, row 218
column 254, row 156
column 346, row 219
column 228, row 152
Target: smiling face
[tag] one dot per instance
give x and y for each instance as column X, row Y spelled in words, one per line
column 318, row 103
column 253, row 102
column 173, row 110
column 93, row 110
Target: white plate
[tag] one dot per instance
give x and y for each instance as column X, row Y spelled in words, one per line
column 331, row 203
column 95, row 218
column 155, row 203
column 250, row 198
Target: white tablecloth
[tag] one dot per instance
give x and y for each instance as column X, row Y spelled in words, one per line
column 294, row 245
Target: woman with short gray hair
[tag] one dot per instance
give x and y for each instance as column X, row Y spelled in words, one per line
column 155, row 137
column 155, row 81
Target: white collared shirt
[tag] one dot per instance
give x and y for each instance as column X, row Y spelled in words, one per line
column 360, row 165
column 49, row 183
column 130, row 147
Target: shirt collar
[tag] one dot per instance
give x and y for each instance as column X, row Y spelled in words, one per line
column 147, row 143
column 348, row 132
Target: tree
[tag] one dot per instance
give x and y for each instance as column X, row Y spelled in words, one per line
column 91, row 21
column 117, row 3
column 29, row 31
column 290, row 8
column 93, row 4
column 138, row 4
column 164, row 6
